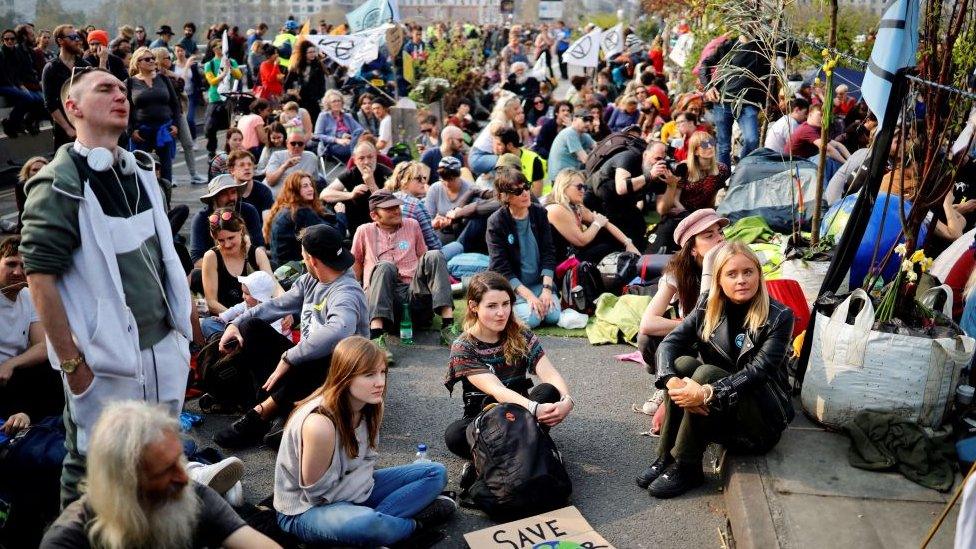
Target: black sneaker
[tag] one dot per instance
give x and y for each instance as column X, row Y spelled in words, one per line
column 438, row 512
column 273, row 438
column 677, row 479
column 468, row 475
column 246, row 431
column 654, row 470
column 9, row 128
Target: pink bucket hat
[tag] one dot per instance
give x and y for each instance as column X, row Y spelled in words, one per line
column 698, row 221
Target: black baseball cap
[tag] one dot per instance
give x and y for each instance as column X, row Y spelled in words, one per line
column 324, row 242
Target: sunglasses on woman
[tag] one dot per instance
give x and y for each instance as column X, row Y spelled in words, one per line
column 148, row 60
column 580, row 187
column 706, row 144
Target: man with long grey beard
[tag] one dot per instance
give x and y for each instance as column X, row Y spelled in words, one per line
column 139, row 493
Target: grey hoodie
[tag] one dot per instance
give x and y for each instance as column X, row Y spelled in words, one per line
column 329, row 313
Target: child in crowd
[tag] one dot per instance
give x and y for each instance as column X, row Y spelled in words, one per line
column 257, row 287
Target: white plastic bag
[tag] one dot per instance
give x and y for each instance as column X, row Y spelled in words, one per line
column 572, row 320
column 853, row 368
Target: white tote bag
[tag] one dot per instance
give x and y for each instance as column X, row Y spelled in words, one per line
column 853, row 368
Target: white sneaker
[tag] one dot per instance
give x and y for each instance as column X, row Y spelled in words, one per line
column 198, row 180
column 235, row 496
column 220, row 476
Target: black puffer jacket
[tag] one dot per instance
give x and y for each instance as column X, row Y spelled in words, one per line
column 760, row 370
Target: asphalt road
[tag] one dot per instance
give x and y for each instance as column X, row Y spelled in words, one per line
column 600, row 441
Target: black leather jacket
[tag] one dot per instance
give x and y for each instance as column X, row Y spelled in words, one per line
column 759, row 371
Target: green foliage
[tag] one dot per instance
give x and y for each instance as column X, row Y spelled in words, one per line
column 451, row 61
column 964, row 54
column 647, row 29
column 813, row 21
column 603, row 20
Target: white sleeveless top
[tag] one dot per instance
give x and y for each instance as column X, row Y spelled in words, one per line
column 347, row 479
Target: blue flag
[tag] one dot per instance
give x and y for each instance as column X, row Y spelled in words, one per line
column 373, row 13
column 894, row 49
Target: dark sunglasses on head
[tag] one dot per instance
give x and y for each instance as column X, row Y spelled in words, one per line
column 297, row 143
column 78, row 70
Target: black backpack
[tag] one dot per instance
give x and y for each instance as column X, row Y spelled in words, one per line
column 609, row 146
column 617, row 269
column 579, row 288
column 520, row 470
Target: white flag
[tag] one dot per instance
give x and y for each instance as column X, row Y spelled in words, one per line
column 373, row 13
column 612, row 41
column 352, row 50
column 539, row 69
column 585, row 52
column 227, row 84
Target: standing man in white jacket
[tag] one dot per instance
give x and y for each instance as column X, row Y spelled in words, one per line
column 105, row 279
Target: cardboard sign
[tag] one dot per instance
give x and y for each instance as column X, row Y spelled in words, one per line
column 560, row 529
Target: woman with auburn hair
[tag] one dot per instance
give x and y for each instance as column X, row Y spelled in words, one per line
column 295, row 208
column 27, row 171
column 492, row 360
column 327, row 489
column 737, row 394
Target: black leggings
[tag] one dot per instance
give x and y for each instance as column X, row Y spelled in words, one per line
column 263, row 346
column 456, row 435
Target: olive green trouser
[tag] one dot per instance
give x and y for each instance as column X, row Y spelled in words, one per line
column 686, row 435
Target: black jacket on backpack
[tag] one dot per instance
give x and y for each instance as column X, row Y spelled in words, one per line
column 742, row 75
column 504, row 251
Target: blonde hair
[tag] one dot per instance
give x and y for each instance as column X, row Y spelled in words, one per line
column 290, row 106
column 562, row 182
column 134, row 60
column 330, row 95
column 161, row 53
column 26, row 168
column 715, row 306
column 404, row 172
column 699, row 168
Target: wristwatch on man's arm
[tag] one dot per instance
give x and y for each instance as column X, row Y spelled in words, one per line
column 69, row 366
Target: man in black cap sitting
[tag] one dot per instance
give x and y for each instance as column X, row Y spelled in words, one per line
column 330, row 305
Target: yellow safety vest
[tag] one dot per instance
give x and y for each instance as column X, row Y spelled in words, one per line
column 279, row 41
column 527, row 158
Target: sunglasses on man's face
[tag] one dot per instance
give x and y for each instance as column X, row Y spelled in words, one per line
column 73, row 37
column 297, row 143
column 9, row 38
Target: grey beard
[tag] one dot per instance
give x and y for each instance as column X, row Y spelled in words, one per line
column 173, row 524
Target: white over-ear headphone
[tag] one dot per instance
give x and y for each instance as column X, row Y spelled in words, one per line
column 101, row 159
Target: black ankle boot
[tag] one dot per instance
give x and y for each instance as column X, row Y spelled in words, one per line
column 654, row 470
column 677, row 479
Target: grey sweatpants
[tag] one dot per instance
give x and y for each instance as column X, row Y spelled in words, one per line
column 387, row 294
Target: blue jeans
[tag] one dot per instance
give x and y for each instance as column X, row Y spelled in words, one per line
column 342, row 152
column 748, row 120
column 529, row 317
column 384, row 518
column 211, row 325
column 481, row 161
column 24, row 102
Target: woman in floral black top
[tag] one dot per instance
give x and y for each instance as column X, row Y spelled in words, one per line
column 492, row 360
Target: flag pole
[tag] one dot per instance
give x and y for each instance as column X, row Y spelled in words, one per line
column 840, row 264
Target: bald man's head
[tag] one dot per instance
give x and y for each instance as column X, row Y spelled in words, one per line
column 452, row 139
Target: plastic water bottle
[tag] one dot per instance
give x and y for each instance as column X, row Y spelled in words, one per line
column 406, row 327
column 422, row 454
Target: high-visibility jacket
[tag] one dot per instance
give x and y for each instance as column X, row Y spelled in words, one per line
column 284, row 54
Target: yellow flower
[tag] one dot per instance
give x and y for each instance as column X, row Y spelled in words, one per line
column 926, row 264
column 825, row 52
column 917, row 256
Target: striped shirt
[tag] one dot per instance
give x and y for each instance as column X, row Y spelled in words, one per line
column 414, row 209
column 471, row 356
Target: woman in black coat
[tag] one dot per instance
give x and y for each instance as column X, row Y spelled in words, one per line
column 520, row 249
column 307, row 77
column 736, row 394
